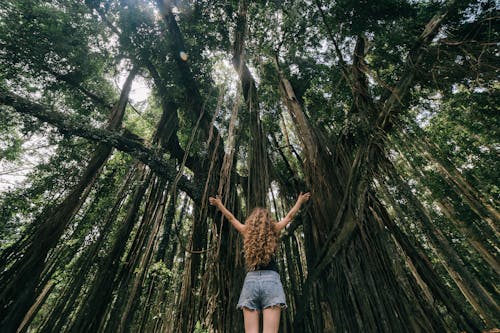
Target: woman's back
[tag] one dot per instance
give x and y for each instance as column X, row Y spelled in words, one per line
column 260, row 240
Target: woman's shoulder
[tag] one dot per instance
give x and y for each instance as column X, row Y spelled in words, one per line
column 244, row 231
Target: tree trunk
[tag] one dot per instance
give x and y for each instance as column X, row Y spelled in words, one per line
column 19, row 282
column 94, row 306
column 471, row 288
column 457, row 182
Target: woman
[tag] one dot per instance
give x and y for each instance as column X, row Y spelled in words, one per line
column 262, row 289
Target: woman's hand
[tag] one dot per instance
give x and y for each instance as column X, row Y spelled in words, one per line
column 303, row 197
column 215, row 201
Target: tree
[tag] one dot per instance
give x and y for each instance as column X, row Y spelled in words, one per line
column 355, row 101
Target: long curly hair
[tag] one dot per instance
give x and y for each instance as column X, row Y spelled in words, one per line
column 261, row 238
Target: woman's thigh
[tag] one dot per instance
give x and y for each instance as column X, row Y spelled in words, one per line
column 251, row 318
column 271, row 319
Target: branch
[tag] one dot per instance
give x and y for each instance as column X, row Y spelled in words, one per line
column 259, row 160
column 77, row 85
column 342, row 63
column 239, row 62
column 186, row 78
column 66, row 125
column 393, row 103
column 363, row 101
column 169, row 140
column 169, row 123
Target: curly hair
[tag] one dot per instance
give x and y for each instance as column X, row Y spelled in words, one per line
column 261, row 238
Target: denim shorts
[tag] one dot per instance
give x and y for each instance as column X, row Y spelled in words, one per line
column 261, row 290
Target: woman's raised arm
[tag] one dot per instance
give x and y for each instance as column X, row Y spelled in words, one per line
column 218, row 203
column 303, row 197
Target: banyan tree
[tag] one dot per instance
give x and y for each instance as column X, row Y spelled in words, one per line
column 386, row 111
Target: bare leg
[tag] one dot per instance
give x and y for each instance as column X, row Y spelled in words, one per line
column 251, row 318
column 272, row 319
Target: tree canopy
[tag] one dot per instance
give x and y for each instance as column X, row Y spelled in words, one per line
column 386, row 111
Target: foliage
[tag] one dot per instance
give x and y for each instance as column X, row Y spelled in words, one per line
column 135, row 240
